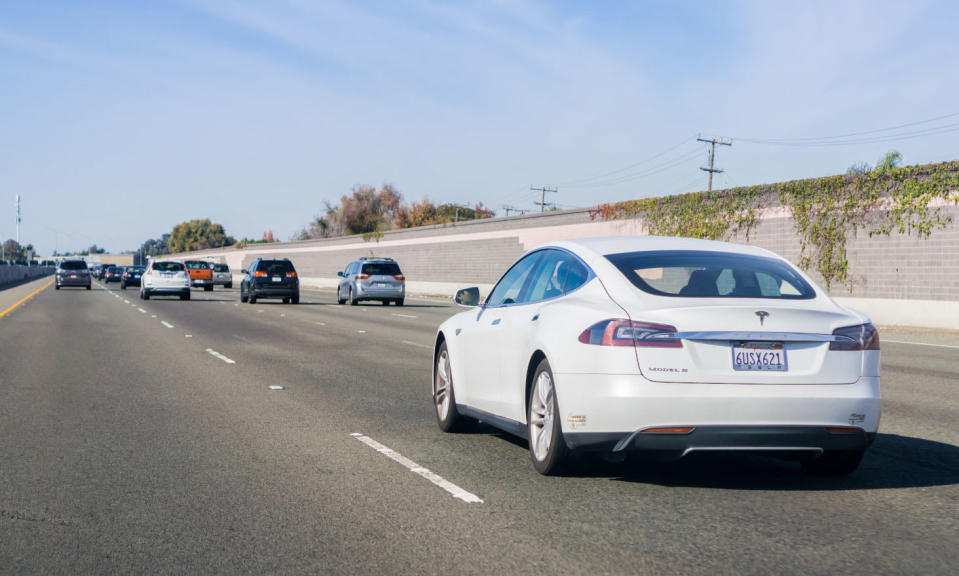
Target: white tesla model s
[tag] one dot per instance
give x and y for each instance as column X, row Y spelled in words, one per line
column 669, row 345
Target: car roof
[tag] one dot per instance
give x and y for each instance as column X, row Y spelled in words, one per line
column 606, row 245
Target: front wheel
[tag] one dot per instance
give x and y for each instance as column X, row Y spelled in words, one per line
column 834, row 463
column 547, row 447
column 339, row 300
column 448, row 418
column 252, row 298
column 123, row 286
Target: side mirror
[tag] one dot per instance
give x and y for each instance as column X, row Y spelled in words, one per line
column 244, row 271
column 467, row 297
column 340, row 274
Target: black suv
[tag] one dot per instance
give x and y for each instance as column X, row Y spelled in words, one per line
column 270, row 279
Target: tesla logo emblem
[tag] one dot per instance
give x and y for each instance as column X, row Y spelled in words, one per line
column 762, row 316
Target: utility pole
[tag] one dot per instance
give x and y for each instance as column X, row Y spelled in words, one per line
column 712, row 155
column 509, row 209
column 542, row 202
column 18, row 219
column 456, row 217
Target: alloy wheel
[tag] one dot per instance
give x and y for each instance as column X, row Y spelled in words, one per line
column 542, row 413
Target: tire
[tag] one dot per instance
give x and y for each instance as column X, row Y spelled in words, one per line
column 228, row 286
column 353, row 301
column 295, row 299
column 185, row 296
column 146, row 294
column 399, row 301
column 208, row 288
column 251, row 298
column 339, row 300
column 444, row 399
column 286, row 300
column 243, row 297
column 385, row 302
column 123, row 286
column 547, row 447
column 88, row 286
column 834, row 463
column 56, row 287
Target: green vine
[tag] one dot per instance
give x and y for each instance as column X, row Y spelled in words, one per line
column 824, row 211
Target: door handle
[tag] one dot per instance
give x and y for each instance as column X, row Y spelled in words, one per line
column 495, row 322
column 535, row 318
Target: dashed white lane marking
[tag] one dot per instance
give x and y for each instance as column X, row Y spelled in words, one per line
column 188, row 335
column 362, row 331
column 126, row 301
column 404, row 315
column 415, row 468
column 167, row 324
column 416, row 344
column 213, row 352
column 921, row 344
column 322, row 323
column 275, row 387
column 142, row 310
column 153, row 315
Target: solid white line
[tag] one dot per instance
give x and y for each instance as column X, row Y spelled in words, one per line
column 167, row 324
column 920, row 343
column 415, row 468
column 403, row 315
column 213, row 352
column 416, row 344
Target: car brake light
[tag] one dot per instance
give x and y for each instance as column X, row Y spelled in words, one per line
column 399, row 277
column 621, row 332
column 291, row 274
column 362, row 276
column 861, row 337
column 126, row 275
column 259, row 274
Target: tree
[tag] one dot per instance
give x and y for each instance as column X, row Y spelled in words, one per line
column 892, row 159
column 155, row 246
column 859, row 168
column 12, row 250
column 198, row 235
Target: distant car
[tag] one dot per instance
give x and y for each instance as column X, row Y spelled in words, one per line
column 201, row 275
column 665, row 345
column 131, row 276
column 372, row 279
column 73, row 273
column 270, row 279
column 165, row 277
column 222, row 275
column 112, row 274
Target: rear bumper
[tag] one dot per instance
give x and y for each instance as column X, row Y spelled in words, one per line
column 131, row 281
column 201, row 282
column 801, row 440
column 372, row 292
column 619, row 405
column 82, row 281
column 271, row 292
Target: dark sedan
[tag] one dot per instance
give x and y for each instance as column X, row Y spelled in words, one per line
column 131, row 276
column 113, row 274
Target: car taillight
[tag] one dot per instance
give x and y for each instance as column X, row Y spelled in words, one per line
column 127, row 275
column 621, row 332
column 259, row 274
column 291, row 274
column 362, row 276
column 861, row 337
column 399, row 277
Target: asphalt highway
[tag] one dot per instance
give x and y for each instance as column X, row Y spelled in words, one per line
column 144, row 437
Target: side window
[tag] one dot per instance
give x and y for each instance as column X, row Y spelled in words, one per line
column 550, row 276
column 577, row 275
column 508, row 289
column 352, row 268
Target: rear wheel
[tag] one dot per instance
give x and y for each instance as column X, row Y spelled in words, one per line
column 88, row 286
column 399, row 301
column 228, row 285
column 185, row 296
column 286, row 300
column 208, row 288
column 834, row 463
column 547, row 447
column 448, row 418
column 295, row 299
column 123, row 286
column 56, row 287
column 385, row 302
column 353, row 300
column 145, row 294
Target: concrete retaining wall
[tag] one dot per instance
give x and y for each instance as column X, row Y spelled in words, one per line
column 17, row 273
column 896, row 279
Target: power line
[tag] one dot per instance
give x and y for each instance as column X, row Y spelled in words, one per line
column 509, row 209
column 542, row 202
column 630, row 167
column 865, row 136
column 672, row 163
column 712, row 155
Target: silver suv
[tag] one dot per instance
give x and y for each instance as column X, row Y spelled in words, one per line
column 371, row 279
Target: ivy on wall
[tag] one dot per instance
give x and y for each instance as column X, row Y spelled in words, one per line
column 825, row 211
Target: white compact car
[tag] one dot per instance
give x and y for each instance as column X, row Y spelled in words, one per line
column 167, row 278
column 666, row 345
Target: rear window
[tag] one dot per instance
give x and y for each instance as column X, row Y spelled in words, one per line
column 221, row 268
column 73, row 265
column 197, row 265
column 168, row 267
column 272, row 267
column 701, row 274
column 135, row 269
column 381, row 269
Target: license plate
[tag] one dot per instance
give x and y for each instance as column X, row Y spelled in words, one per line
column 73, row 275
column 749, row 356
column 277, row 279
column 383, row 284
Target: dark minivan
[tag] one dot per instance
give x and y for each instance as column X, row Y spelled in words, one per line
column 270, row 279
column 73, row 273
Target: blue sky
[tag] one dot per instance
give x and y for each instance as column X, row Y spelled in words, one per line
column 120, row 119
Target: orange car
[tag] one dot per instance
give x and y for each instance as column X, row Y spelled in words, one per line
column 201, row 274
